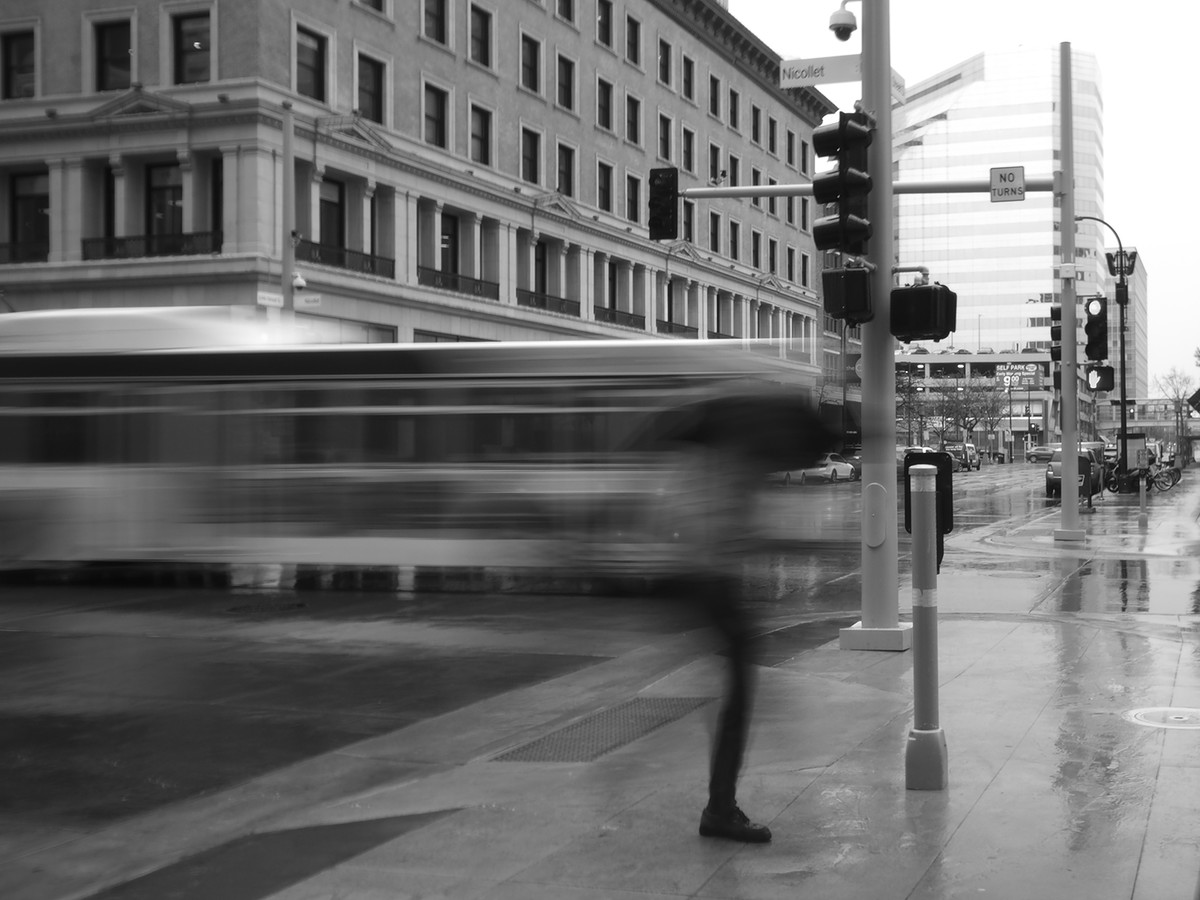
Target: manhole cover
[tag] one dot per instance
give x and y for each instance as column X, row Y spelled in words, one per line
column 1165, row 717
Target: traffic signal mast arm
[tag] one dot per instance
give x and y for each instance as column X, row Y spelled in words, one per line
column 963, row 186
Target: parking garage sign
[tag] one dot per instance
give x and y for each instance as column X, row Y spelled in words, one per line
column 1019, row 375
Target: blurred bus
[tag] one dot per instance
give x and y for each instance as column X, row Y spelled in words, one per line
column 522, row 455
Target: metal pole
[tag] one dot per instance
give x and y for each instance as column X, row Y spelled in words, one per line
column 1071, row 529
column 880, row 628
column 925, row 756
column 288, row 221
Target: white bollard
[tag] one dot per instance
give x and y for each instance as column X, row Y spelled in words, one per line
column 925, row 758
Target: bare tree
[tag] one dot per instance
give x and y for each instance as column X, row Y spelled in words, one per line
column 1177, row 386
column 993, row 408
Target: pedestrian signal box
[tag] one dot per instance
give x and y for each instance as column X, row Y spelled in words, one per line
column 848, row 294
column 924, row 312
column 1100, row 378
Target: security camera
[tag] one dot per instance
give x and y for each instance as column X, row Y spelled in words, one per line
column 843, row 24
column 298, row 282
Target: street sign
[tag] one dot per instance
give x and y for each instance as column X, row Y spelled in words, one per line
column 823, row 70
column 266, row 298
column 308, row 301
column 1019, row 375
column 1008, row 184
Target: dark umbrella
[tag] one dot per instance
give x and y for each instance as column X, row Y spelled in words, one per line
column 771, row 427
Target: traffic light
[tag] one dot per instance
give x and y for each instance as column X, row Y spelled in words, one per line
column 848, row 294
column 848, row 185
column 1100, row 378
column 664, row 204
column 1056, row 333
column 1096, row 328
column 924, row 312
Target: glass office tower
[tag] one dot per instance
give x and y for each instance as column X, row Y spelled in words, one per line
column 1000, row 110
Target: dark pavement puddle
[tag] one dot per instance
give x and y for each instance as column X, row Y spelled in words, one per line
column 259, row 865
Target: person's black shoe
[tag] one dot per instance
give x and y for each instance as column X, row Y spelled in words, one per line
column 733, row 825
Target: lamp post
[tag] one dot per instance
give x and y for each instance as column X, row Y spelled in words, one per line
column 1122, row 302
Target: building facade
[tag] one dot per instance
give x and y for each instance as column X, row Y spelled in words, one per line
column 464, row 169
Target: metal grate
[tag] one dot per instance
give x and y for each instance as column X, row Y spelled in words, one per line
column 599, row 733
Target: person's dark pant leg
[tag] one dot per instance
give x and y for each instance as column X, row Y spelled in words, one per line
column 723, row 605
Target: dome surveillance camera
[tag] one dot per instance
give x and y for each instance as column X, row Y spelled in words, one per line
column 298, row 282
column 843, row 24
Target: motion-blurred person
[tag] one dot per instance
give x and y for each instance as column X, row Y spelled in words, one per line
column 724, row 447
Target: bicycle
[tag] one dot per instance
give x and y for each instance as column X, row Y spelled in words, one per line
column 1165, row 478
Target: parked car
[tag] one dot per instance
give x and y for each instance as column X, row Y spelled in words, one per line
column 830, row 467
column 1041, row 454
column 854, row 457
column 1094, row 483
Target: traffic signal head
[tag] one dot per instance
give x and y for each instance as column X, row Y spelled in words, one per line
column 848, row 294
column 848, row 185
column 1100, row 378
column 1056, row 333
column 924, row 312
column 664, row 204
column 1096, row 328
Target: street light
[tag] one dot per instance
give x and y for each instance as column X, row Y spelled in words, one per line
column 1122, row 301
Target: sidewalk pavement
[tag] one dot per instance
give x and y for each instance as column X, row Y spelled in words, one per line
column 1074, row 765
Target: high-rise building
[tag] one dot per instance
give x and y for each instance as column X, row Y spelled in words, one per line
column 463, row 170
column 1003, row 259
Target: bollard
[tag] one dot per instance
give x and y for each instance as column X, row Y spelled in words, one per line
column 1142, row 519
column 925, row 757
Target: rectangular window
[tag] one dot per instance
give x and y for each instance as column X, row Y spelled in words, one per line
column 804, row 268
column 566, row 83
column 633, row 198
column 481, row 36
column 370, row 89
column 735, row 170
column 664, row 61
column 665, row 126
column 714, row 163
column 755, row 124
column 714, row 232
column 689, row 79
column 804, row 214
column 791, row 148
column 756, row 250
column 310, row 64
column 17, row 49
column 771, row 182
column 789, row 206
column 688, row 150
column 772, row 135
column 29, row 221
column 436, row 15
column 714, row 96
column 114, row 56
column 531, row 155
column 633, row 120
column 804, row 157
column 755, row 180
column 566, row 170
column 604, row 186
column 772, row 255
column 192, row 48
column 735, row 100
column 791, row 264
column 735, row 239
column 437, row 108
column 604, row 22
column 531, row 63
column 332, row 212
column 633, row 40
column 164, row 200
column 566, row 10
column 481, row 135
column 604, row 110
column 689, row 216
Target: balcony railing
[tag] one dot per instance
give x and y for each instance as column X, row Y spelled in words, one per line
column 342, row 258
column 547, row 302
column 665, row 327
column 35, row 251
column 195, row 244
column 619, row 317
column 460, row 284
column 719, row 336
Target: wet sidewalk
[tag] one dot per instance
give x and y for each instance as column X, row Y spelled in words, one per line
column 1072, row 723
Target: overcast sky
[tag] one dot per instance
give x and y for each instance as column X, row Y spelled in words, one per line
column 1147, row 53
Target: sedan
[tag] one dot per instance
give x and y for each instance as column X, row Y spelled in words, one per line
column 1042, row 454
column 1089, row 459
column 830, row 467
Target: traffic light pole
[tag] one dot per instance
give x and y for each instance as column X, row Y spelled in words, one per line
column 1071, row 529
